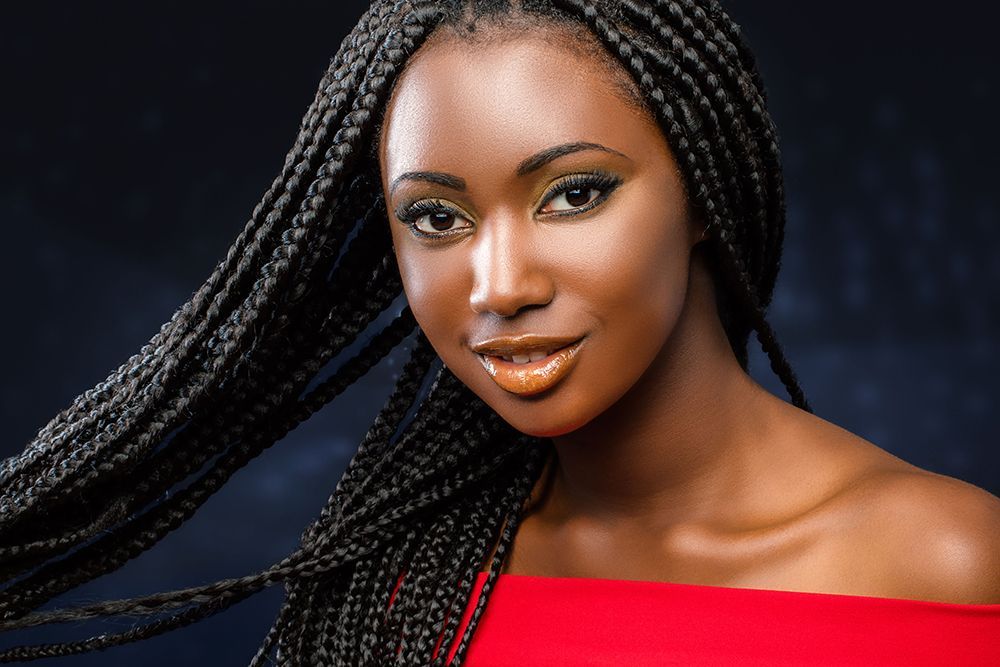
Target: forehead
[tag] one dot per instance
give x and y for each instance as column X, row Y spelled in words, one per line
column 508, row 97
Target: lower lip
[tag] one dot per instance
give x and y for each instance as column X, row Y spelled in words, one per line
column 533, row 377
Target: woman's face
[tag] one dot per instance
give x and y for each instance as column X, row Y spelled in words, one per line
column 532, row 207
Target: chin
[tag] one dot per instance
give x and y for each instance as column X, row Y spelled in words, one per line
column 542, row 430
column 540, row 420
column 557, row 411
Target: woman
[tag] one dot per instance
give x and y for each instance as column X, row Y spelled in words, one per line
column 582, row 203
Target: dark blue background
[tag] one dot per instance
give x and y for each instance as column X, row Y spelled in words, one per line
column 136, row 139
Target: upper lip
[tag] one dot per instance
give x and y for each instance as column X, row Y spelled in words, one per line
column 522, row 344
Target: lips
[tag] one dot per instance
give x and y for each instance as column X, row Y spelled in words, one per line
column 527, row 365
column 523, row 344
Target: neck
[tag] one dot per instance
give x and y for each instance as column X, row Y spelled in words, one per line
column 677, row 443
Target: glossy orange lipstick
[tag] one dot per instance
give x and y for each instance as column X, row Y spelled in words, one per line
column 528, row 365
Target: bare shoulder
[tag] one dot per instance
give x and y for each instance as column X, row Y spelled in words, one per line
column 893, row 529
column 928, row 536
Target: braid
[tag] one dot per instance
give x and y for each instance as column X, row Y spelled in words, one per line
column 736, row 129
column 746, row 83
column 386, row 571
column 112, row 551
column 224, row 345
column 198, row 442
column 95, row 403
column 386, row 423
column 514, row 498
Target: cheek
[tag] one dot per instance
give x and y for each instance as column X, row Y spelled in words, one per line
column 652, row 294
column 652, row 284
column 437, row 295
column 634, row 274
column 633, row 280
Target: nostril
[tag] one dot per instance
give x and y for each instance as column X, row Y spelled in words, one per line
column 507, row 299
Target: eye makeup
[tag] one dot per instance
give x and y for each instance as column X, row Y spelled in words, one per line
column 603, row 181
column 410, row 214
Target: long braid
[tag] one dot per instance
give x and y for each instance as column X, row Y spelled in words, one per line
column 460, row 438
column 131, row 540
column 359, row 538
column 755, row 298
column 511, row 511
column 234, row 335
column 168, row 461
column 373, row 446
column 731, row 130
column 197, row 443
column 139, row 533
column 95, row 403
column 428, row 571
column 436, row 483
column 746, row 84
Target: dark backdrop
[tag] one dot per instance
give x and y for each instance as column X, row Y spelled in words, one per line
column 136, row 139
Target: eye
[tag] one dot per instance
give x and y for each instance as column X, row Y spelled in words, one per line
column 577, row 197
column 435, row 219
column 428, row 217
column 582, row 192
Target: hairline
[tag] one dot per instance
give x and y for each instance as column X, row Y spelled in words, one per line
column 522, row 25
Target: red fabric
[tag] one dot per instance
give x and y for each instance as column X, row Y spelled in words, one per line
column 561, row 621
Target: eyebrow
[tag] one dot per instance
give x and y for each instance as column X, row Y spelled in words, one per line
column 528, row 165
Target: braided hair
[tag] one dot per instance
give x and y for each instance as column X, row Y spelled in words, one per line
column 439, row 481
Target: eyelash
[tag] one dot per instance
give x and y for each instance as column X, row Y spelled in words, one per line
column 596, row 180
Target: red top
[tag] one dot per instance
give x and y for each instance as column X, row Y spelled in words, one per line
column 561, row 621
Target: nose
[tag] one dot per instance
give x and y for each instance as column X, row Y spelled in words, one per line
column 509, row 273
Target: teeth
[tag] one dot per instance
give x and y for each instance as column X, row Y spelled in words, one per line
column 527, row 358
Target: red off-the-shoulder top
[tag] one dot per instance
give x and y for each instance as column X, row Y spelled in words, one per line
column 561, row 621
